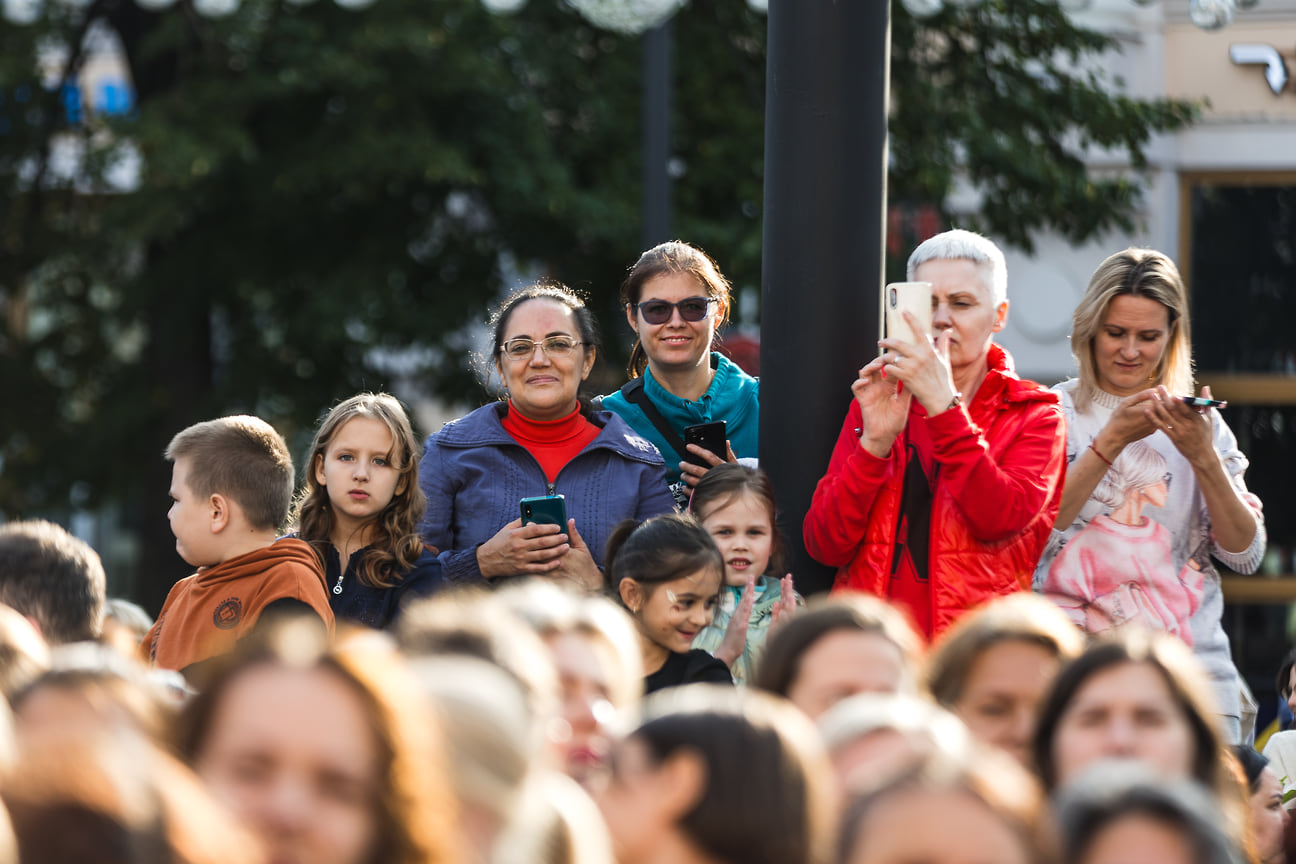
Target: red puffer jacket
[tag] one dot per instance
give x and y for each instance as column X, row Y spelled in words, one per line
column 1000, row 466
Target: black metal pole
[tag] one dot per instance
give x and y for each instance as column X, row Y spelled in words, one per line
column 826, row 95
column 656, row 112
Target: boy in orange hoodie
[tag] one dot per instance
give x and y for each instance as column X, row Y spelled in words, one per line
column 231, row 486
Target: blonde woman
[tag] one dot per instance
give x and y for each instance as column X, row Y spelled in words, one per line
column 1131, row 338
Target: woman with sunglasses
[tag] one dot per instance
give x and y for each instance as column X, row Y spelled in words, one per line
column 541, row 441
column 1133, row 441
column 675, row 299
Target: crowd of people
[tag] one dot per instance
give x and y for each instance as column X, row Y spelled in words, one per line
column 561, row 631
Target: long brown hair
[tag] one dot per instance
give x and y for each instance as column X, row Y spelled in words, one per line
column 396, row 543
column 415, row 805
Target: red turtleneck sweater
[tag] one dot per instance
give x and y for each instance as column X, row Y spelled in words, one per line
column 553, row 443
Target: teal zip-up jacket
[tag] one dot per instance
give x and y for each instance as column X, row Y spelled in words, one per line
column 734, row 397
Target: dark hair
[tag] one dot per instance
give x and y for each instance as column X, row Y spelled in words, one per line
column 54, row 578
column 414, row 803
column 1177, row 666
column 396, row 543
column 722, row 484
column 767, row 785
column 659, row 550
column 780, row 666
column 554, row 292
column 242, row 457
column 673, row 257
column 1253, row 764
column 1282, row 683
column 1114, row 792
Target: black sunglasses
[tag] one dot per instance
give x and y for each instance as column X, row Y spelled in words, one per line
column 690, row 309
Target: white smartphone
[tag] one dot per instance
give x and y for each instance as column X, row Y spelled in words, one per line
column 914, row 298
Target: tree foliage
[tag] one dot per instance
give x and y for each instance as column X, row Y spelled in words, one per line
column 319, row 186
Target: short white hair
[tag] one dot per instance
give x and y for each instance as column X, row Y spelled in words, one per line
column 958, row 243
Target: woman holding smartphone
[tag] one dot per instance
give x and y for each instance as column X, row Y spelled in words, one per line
column 541, row 442
column 675, row 299
column 1154, row 488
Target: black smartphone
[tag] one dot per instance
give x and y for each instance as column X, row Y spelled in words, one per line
column 708, row 436
column 544, row 510
column 1203, row 402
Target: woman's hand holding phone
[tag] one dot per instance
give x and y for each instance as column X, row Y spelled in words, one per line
column 517, row 550
column 924, row 369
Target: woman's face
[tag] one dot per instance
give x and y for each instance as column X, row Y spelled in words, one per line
column 1268, row 818
column 676, row 345
column 963, row 304
column 585, row 672
column 1139, row 839
column 639, row 803
column 842, row 663
column 1002, row 693
column 1130, row 344
column 544, row 385
column 936, row 827
column 292, row 753
column 1126, row 711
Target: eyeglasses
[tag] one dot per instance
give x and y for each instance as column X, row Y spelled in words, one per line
column 690, row 309
column 554, row 346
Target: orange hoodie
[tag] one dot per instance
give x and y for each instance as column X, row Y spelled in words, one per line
column 206, row 613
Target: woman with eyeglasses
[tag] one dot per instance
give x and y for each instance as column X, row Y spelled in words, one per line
column 675, row 299
column 1154, row 492
column 541, row 441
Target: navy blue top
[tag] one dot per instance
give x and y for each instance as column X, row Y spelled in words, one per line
column 352, row 600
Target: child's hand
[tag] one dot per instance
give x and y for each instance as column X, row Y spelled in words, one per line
column 735, row 638
column 786, row 607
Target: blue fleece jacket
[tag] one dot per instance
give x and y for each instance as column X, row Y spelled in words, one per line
column 474, row 474
column 734, row 397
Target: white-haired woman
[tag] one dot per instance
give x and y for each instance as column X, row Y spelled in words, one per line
column 1125, row 415
column 941, row 493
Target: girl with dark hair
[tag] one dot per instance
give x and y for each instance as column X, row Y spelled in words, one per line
column 675, row 300
column 360, row 507
column 541, row 441
column 667, row 572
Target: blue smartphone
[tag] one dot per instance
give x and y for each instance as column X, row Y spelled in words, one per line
column 544, row 510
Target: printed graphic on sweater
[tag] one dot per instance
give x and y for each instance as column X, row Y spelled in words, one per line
column 1119, row 568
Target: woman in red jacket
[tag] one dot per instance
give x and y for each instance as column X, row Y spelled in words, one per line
column 945, row 480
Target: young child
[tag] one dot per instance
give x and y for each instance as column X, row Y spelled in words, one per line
column 360, row 510
column 735, row 504
column 667, row 571
column 231, row 485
